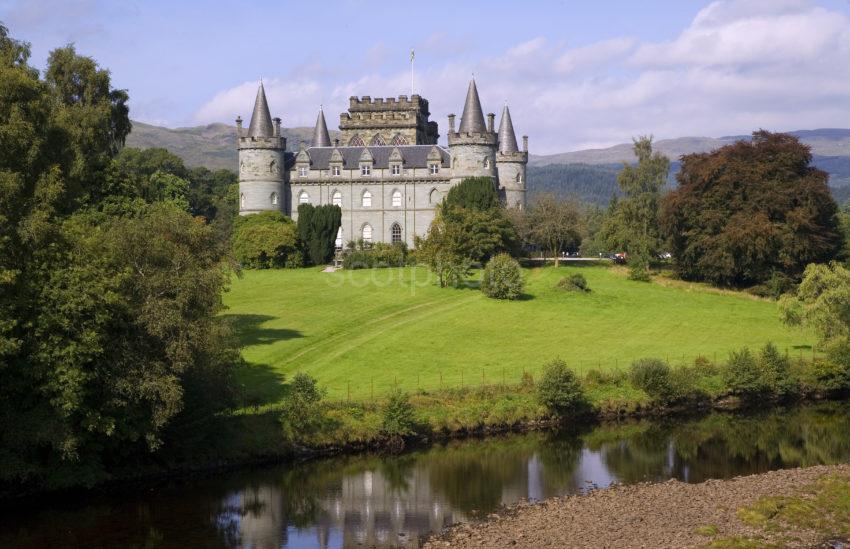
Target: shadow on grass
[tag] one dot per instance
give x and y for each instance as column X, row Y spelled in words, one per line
column 249, row 331
column 261, row 384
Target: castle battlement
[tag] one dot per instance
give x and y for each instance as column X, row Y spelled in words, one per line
column 402, row 102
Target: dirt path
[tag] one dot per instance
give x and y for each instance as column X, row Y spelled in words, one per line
column 643, row 515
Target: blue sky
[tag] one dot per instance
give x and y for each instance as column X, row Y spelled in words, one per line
column 577, row 74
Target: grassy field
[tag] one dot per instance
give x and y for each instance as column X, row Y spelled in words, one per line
column 362, row 332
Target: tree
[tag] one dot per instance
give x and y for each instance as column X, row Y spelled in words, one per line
column 441, row 251
column 317, row 230
column 632, row 225
column 750, row 209
column 554, row 225
column 502, row 278
column 474, row 193
column 265, row 240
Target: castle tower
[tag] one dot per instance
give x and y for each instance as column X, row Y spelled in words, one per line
column 261, row 161
column 473, row 145
column 321, row 137
column 511, row 163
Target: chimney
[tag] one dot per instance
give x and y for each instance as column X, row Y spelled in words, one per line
column 451, row 123
column 238, row 126
column 524, row 143
column 491, row 122
column 276, row 127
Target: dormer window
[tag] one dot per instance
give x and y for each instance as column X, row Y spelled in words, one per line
column 435, row 169
column 365, row 169
column 335, row 171
column 395, row 169
column 302, row 171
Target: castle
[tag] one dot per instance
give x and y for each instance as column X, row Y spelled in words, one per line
column 388, row 174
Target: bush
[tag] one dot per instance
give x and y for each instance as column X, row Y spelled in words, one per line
column 560, row 390
column 574, row 283
column 266, row 240
column 357, row 259
column 360, row 255
column 652, row 375
column 398, row 417
column 744, row 377
column 776, row 370
column 775, row 286
column 302, row 409
column 502, row 278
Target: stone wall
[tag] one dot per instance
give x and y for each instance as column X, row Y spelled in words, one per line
column 261, row 178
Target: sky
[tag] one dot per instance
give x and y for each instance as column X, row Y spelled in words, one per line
column 576, row 74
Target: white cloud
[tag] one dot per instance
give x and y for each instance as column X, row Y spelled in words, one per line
column 738, row 66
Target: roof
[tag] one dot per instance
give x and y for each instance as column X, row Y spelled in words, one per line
column 415, row 156
column 321, row 138
column 507, row 137
column 261, row 120
column 472, row 119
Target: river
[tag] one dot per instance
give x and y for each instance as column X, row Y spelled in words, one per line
column 392, row 500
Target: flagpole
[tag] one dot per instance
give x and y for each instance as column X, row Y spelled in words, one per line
column 412, row 56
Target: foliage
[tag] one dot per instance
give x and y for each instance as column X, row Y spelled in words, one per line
column 380, row 254
column 473, row 193
column 653, row 376
column 265, row 240
column 776, row 370
column 632, row 224
column 576, row 282
column 317, row 230
column 502, row 278
column 553, row 225
column 302, row 412
column 590, row 183
column 398, row 416
column 744, row 376
column 750, row 209
column 560, row 390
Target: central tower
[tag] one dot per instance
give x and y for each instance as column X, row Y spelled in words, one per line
column 390, row 121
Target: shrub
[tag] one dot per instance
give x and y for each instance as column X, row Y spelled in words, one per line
column 652, row 375
column 560, row 390
column 266, row 240
column 574, row 283
column 776, row 370
column 389, row 255
column 744, row 377
column 357, row 259
column 302, row 409
column 775, row 286
column 398, row 416
column 502, row 278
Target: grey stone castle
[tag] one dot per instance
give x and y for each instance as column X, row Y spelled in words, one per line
column 388, row 174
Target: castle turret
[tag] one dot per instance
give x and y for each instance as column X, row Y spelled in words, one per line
column 511, row 163
column 321, row 137
column 473, row 146
column 261, row 161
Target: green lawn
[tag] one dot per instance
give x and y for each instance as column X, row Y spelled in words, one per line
column 367, row 330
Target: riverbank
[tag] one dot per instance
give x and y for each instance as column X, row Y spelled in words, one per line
column 790, row 508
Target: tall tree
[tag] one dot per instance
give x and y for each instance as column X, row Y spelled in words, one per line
column 749, row 210
column 554, row 225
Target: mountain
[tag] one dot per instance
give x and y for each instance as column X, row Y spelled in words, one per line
column 212, row 146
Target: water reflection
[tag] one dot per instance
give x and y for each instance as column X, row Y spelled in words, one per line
column 373, row 501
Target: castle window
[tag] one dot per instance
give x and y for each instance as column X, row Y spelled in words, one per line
column 365, row 169
column 434, row 197
column 377, row 141
column 302, row 171
column 398, row 139
column 242, row 201
column 519, row 178
column 367, row 199
column 338, row 241
column 367, row 233
column 396, row 169
column 486, row 162
column 274, row 199
column 396, row 199
column 336, row 171
column 435, row 169
column 303, row 198
column 336, row 199
column 356, row 141
column 273, row 166
column 395, row 233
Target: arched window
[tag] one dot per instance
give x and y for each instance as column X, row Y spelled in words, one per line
column 338, row 241
column 242, row 201
column 367, row 199
column 356, row 141
column 519, row 178
column 303, row 198
column 398, row 139
column 396, row 199
column 336, row 199
column 367, row 233
column 377, row 141
column 486, row 162
column 273, row 166
column 273, row 199
column 434, row 196
column 395, row 233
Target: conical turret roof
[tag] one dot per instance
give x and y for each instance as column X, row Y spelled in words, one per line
column 472, row 120
column 321, row 137
column 261, row 120
column 507, row 137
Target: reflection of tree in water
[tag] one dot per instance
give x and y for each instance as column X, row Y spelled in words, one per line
column 559, row 455
column 640, row 457
column 396, row 471
column 473, row 475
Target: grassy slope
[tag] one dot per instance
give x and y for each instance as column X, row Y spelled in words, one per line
column 386, row 326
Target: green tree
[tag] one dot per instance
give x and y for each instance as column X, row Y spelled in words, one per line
column 560, row 390
column 473, row 193
column 265, row 240
column 554, row 225
column 502, row 278
column 748, row 210
column 632, row 225
column 317, row 230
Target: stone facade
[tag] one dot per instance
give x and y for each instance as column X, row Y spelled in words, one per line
column 390, row 174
